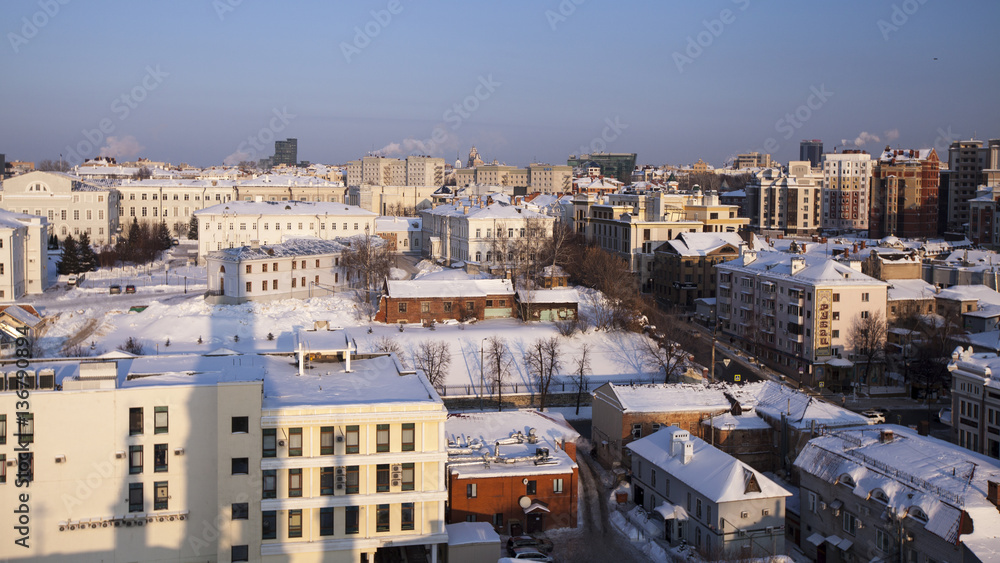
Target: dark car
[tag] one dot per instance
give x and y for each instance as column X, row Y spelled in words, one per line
column 115, row 289
column 540, row 544
column 129, row 288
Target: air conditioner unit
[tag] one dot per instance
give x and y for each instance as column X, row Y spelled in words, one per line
column 395, row 482
column 744, row 514
column 72, row 527
column 340, row 486
column 396, row 468
column 62, row 528
column 340, row 471
column 127, row 523
column 397, row 476
column 60, row 459
column 119, row 455
column 770, row 529
column 149, row 520
column 139, row 523
column 281, row 442
column 104, row 524
column 181, row 517
column 741, row 533
column 340, row 438
column 179, row 451
column 161, row 518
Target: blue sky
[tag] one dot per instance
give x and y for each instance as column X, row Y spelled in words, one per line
column 523, row 80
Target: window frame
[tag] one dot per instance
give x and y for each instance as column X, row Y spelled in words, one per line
column 382, row 438
column 295, row 523
column 157, row 427
column 295, row 436
column 408, row 444
column 135, row 421
column 295, row 482
column 352, row 434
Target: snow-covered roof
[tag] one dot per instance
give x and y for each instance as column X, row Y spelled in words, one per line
column 19, row 314
column 819, row 270
column 465, row 533
column 390, row 224
column 910, row 290
column 557, row 295
column 702, row 244
column 293, row 208
column 772, row 400
column 665, row 397
column 728, row 421
column 715, row 474
column 496, row 210
column 939, row 478
column 473, row 441
column 290, row 248
column 15, row 220
column 414, row 289
column 981, row 293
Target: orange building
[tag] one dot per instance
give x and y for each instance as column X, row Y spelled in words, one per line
column 904, row 196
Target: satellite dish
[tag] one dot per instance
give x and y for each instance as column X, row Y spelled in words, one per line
column 524, row 502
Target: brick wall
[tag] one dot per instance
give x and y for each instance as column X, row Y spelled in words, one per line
column 389, row 308
column 500, row 495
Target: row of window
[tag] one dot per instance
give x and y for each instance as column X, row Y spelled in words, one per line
column 530, row 488
column 161, row 421
column 332, row 479
column 161, row 496
column 352, row 521
column 266, row 226
column 351, row 437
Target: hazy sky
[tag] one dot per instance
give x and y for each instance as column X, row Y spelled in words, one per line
column 200, row 81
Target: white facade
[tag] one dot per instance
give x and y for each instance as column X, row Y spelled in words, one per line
column 975, row 401
column 240, row 223
column 846, row 190
column 468, row 231
column 71, row 206
column 24, row 264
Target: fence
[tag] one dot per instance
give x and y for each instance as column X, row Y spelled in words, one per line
column 559, row 386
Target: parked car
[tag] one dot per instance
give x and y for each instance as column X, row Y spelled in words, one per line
column 129, row 288
column 944, row 415
column 541, row 544
column 875, row 416
column 175, row 242
column 71, row 280
column 530, row 554
column 115, row 289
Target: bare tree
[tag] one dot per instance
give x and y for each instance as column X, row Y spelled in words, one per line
column 557, row 250
column 388, row 345
column 611, row 275
column 433, row 357
column 664, row 348
column 581, row 369
column 367, row 263
column 498, row 361
column 143, row 173
column 53, row 165
column 867, row 338
column 543, row 359
column 132, row 345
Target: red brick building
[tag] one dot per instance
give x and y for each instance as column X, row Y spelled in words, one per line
column 904, row 196
column 501, row 472
column 422, row 301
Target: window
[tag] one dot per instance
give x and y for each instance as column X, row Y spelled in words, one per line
column 406, row 516
column 326, row 480
column 294, row 442
column 3, row 468
column 269, row 445
column 294, row 483
column 836, row 297
column 249, row 287
column 351, row 520
column 270, row 479
column 698, row 508
column 850, row 523
column 326, row 521
column 447, row 306
column 864, row 297
column 135, row 497
column 134, row 460
column 382, row 478
column 498, row 520
column 382, row 518
column 864, row 314
column 382, row 438
column 402, row 307
column 241, row 465
column 241, row 511
column 263, row 268
column 269, row 525
column 295, row 523
column 135, row 421
column 352, row 480
column 811, row 499
column 882, row 540
column 408, row 477
column 326, row 440
column 471, row 490
column 160, row 458
column 353, row 445
column 532, row 487
column 241, row 424
column 425, row 307
column 557, row 485
column 3, row 429
column 240, row 553
column 408, row 437
column 263, row 285
column 274, row 285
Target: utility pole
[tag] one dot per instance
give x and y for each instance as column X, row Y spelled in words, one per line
column 715, row 336
column 482, row 370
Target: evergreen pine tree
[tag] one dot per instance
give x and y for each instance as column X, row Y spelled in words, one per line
column 193, row 229
column 86, row 254
column 70, row 261
column 163, row 239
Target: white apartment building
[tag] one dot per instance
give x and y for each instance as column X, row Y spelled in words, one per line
column 701, row 495
column 470, row 230
column 240, row 223
column 171, row 201
column 789, row 203
column 975, row 401
column 24, row 263
column 70, row 205
column 544, row 178
column 795, row 312
column 846, row 190
column 383, row 171
column 224, row 458
column 298, row 268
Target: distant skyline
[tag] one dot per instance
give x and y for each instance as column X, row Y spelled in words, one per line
column 203, row 81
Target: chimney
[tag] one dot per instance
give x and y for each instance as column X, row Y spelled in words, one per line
column 798, row 264
column 885, row 437
column 993, row 493
column 749, row 256
column 687, row 453
column 254, row 245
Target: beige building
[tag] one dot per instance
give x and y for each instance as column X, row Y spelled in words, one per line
column 226, row 458
column 753, row 160
column 24, row 264
column 383, row 171
column 789, row 203
column 545, row 178
column 70, row 205
column 391, row 200
column 240, row 223
column 846, row 190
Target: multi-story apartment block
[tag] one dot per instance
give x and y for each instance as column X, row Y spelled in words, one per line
column 285, row 187
column 383, row 171
column 286, row 152
column 796, row 312
column 904, row 194
column 391, row 200
column 706, row 498
column 812, row 152
column 846, row 183
column 545, row 178
column 224, row 458
column 970, row 165
column 752, row 160
column 975, row 401
column 296, row 269
column 24, row 263
column 789, row 203
column 240, row 223
column 481, row 230
column 983, row 217
column 70, row 205
column 885, row 493
column 684, row 268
